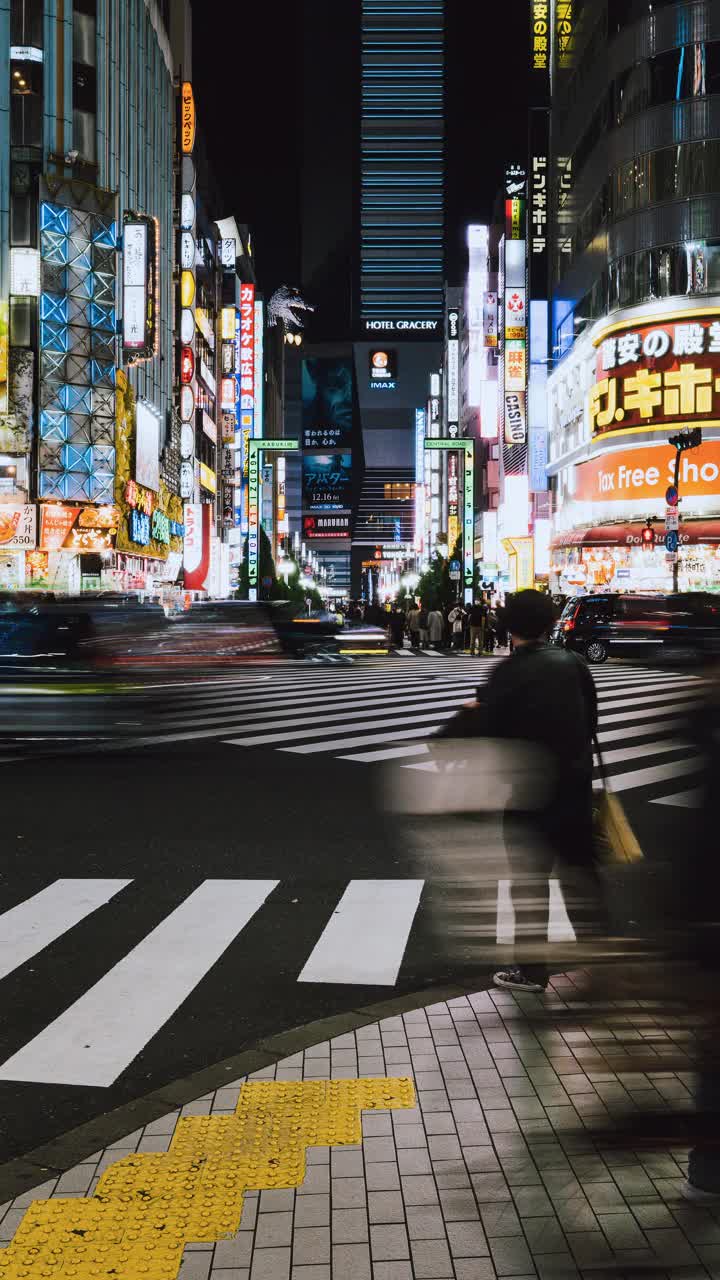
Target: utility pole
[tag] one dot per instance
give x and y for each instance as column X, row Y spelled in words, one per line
column 684, row 440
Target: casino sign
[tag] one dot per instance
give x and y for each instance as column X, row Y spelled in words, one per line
column 652, row 374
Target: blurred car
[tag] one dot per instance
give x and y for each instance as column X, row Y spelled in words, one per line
column 686, row 625
column 93, row 632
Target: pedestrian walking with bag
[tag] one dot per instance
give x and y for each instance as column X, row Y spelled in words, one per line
column 546, row 696
column 477, row 626
column 456, row 619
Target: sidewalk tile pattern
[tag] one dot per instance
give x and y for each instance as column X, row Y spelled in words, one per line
column 148, row 1207
column 492, row 1174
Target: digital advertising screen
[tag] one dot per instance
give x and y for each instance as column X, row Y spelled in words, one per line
column 327, row 402
column 326, row 480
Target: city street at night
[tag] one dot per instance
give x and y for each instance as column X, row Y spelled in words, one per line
column 359, row 640
column 107, row 1002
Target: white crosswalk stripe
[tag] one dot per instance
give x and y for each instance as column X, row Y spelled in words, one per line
column 641, row 710
column 383, row 711
column 90, row 1043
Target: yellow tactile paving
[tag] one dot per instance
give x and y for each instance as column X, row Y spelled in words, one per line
column 148, row 1207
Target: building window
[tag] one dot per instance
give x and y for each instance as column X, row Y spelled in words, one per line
column 84, row 80
column 399, row 492
column 26, row 23
column 26, row 87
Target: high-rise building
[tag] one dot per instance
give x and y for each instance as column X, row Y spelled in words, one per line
column 86, row 167
column 373, row 240
column 402, row 170
column 635, row 249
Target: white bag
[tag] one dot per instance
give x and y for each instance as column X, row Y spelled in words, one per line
column 472, row 775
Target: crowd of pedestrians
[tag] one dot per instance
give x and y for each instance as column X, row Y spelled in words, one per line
column 479, row 628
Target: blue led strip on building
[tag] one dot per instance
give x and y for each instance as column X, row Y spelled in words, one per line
column 402, row 173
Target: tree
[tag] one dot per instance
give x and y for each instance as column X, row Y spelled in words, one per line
column 436, row 589
column 279, row 589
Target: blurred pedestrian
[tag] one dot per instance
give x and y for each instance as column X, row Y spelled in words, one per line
column 424, row 625
column 413, row 622
column 491, row 630
column 456, row 619
column 477, row 626
column 396, row 628
column 547, row 696
column 436, row 628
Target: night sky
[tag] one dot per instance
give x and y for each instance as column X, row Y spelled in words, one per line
column 248, row 90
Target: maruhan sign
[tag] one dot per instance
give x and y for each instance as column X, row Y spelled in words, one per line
column 397, row 326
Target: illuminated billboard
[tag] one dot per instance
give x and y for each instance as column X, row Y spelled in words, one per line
column 327, row 401
column 657, row 374
column 326, row 481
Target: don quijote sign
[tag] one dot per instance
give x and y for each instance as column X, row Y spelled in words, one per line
column 657, row 373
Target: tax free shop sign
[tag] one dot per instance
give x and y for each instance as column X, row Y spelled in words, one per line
column 645, row 473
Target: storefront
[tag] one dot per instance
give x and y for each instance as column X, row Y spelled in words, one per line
column 628, row 386
column 615, row 558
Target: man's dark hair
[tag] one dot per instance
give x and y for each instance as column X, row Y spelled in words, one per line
column 529, row 615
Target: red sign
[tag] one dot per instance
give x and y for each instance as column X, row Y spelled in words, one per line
column 247, row 345
column 326, row 527
column 77, row 528
column 657, row 374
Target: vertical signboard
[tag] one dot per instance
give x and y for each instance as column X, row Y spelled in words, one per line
column 468, row 518
column 253, row 519
column 515, row 321
column 258, row 398
column 538, row 205
column 453, row 500
column 419, row 480
column 247, row 354
column 453, row 373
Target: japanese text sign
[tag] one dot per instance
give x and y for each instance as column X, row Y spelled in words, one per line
column 657, row 374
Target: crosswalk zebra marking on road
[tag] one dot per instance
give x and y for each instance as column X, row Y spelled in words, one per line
column 33, row 924
column 364, row 941
column 691, row 799
column 656, row 773
column 96, row 1039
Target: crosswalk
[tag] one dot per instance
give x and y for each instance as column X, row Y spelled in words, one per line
column 386, row 715
column 205, row 947
column 383, row 710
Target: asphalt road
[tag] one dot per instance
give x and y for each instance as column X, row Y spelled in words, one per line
column 174, row 898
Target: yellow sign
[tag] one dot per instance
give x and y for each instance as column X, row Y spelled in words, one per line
column 227, row 324
column 687, row 392
column 208, row 478
column 187, row 289
column 521, row 552
column 563, row 32
column 148, row 1207
column 540, row 29
column 187, row 118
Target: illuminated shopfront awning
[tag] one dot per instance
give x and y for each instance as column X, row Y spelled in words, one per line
column 628, row 534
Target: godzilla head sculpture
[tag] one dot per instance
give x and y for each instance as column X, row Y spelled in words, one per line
column 282, row 307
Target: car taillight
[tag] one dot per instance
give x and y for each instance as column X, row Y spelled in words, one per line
column 569, row 625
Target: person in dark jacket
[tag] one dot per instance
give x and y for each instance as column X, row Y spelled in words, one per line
column 545, row 695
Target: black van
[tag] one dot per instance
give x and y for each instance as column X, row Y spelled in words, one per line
column 686, row 625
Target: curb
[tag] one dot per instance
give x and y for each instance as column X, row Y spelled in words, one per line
column 53, row 1158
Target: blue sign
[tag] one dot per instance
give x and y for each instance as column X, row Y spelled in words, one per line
column 140, row 528
column 671, row 495
column 397, row 531
column 671, row 540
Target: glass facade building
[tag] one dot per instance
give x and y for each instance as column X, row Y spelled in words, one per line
column 402, row 161
column 87, row 137
column 635, row 243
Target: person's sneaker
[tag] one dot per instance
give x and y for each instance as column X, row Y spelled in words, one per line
column 697, row 1195
column 515, row 980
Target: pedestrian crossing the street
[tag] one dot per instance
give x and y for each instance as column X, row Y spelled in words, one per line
column 359, row 938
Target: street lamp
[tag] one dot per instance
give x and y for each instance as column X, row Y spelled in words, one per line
column 287, row 568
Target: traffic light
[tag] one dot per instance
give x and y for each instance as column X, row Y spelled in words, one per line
column 689, row 439
column 648, row 537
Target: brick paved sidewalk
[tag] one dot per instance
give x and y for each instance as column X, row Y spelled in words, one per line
column 491, row 1174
